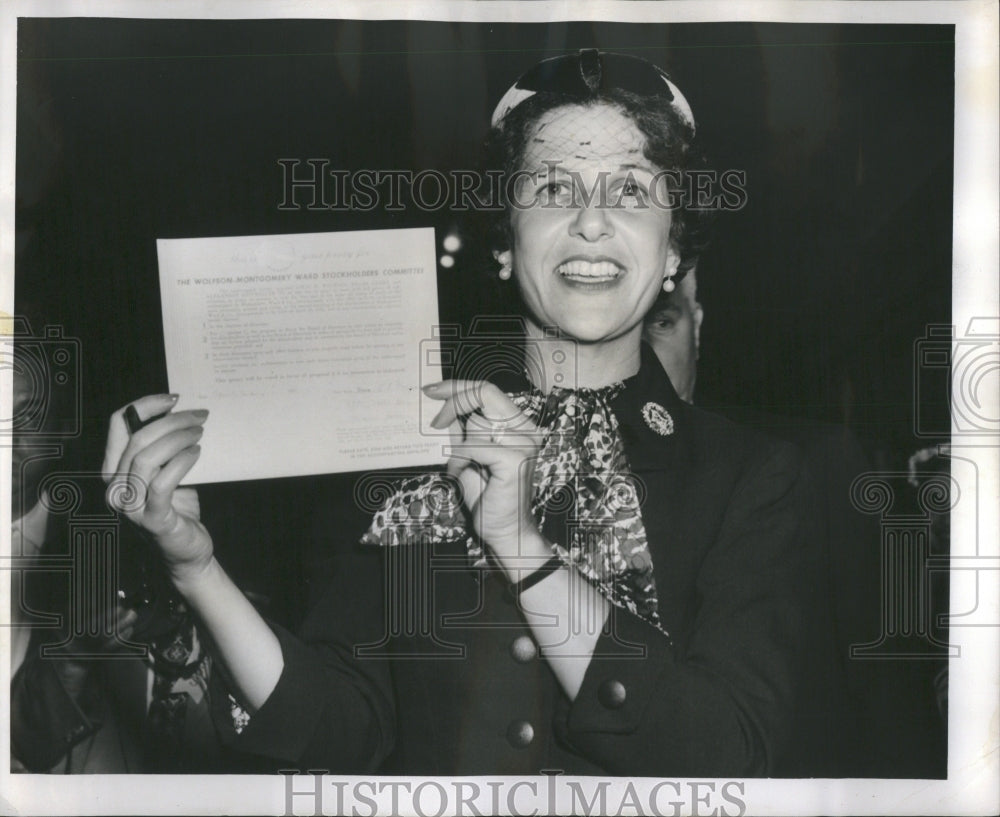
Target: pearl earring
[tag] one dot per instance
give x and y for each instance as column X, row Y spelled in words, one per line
column 668, row 284
column 503, row 259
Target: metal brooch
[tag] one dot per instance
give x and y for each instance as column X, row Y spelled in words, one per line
column 658, row 419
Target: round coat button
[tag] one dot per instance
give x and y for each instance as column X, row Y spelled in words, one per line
column 520, row 734
column 523, row 649
column 611, row 694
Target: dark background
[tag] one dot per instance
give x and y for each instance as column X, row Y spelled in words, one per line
column 814, row 293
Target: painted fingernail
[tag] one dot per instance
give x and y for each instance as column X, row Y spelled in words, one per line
column 173, row 398
column 201, row 414
column 195, row 449
column 436, row 422
column 433, row 388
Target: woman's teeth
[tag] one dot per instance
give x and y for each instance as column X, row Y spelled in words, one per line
column 590, row 270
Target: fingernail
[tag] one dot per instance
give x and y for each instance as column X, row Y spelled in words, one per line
column 431, row 388
column 195, row 449
column 199, row 431
column 436, row 422
column 173, row 398
column 201, row 414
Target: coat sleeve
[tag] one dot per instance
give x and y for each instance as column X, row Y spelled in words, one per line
column 47, row 719
column 54, row 701
column 329, row 711
column 720, row 703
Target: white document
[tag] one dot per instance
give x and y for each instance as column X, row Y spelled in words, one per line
column 304, row 348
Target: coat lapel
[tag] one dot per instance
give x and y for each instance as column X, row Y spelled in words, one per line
column 664, row 463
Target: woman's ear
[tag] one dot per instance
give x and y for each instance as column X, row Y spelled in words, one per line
column 673, row 260
column 671, row 267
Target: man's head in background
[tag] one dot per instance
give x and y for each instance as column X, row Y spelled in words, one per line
column 672, row 328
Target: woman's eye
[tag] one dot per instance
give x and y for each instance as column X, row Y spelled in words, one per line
column 630, row 194
column 553, row 192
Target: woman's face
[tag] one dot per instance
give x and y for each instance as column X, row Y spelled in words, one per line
column 591, row 237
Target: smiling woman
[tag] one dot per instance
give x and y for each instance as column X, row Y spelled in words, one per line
column 606, row 579
column 593, row 252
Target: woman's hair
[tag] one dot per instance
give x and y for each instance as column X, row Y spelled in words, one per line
column 670, row 145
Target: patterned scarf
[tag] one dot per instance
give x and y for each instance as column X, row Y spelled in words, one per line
column 581, row 478
column 181, row 670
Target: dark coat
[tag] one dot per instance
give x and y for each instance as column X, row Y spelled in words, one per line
column 433, row 672
column 891, row 726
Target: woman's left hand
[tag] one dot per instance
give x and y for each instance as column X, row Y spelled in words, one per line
column 494, row 448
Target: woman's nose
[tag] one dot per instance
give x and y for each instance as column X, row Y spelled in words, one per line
column 592, row 222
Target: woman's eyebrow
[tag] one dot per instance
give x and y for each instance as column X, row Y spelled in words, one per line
column 547, row 167
column 555, row 167
column 541, row 172
column 634, row 166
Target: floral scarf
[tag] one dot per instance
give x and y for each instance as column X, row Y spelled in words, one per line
column 582, row 478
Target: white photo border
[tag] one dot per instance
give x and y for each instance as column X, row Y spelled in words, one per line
column 973, row 784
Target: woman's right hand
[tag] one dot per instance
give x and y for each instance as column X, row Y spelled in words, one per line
column 143, row 471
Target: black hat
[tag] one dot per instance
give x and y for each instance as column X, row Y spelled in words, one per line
column 586, row 74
